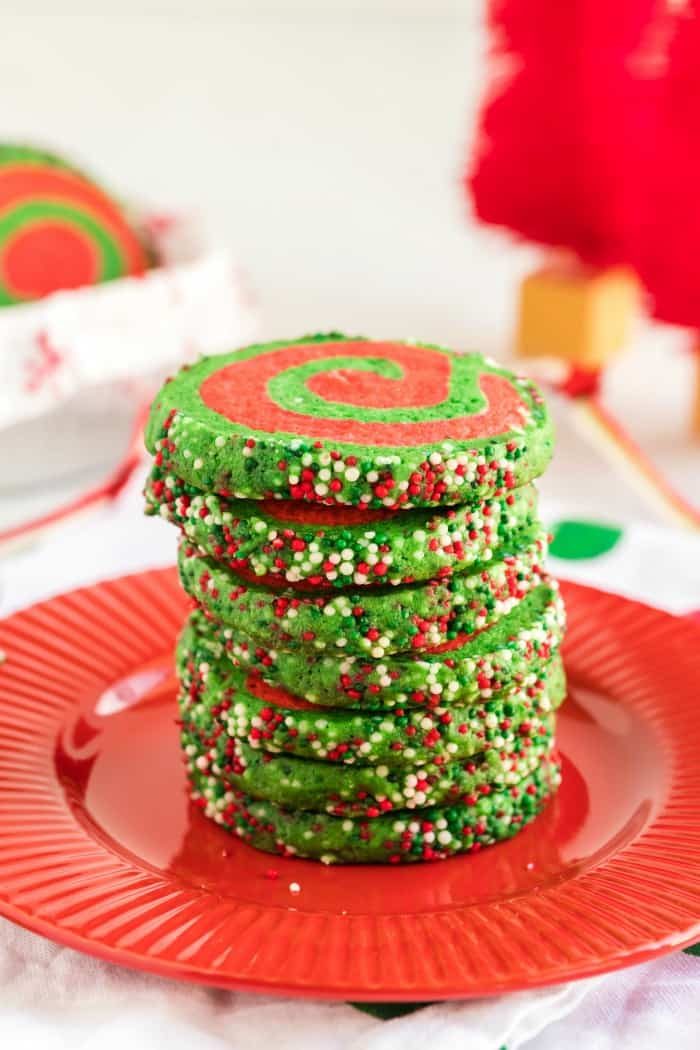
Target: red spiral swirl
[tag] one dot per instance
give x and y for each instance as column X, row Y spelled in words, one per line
column 239, row 391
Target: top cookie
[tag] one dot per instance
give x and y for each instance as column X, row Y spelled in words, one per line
column 338, row 420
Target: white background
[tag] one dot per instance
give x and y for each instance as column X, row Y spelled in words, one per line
column 325, row 141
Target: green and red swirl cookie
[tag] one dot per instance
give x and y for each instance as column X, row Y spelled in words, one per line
column 337, row 420
column 511, row 654
column 368, row 791
column 436, row 833
column 304, row 544
column 58, row 230
column 276, row 721
column 373, row 622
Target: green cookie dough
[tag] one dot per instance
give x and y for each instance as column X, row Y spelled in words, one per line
column 285, row 543
column 275, row 720
column 373, row 623
column 510, row 654
column 436, row 833
column 300, row 783
column 337, row 420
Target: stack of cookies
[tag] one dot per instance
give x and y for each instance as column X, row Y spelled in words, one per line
column 371, row 667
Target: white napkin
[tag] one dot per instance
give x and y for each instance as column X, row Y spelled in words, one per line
column 60, row 1000
column 651, row 1007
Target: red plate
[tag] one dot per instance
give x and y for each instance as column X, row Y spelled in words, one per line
column 100, row 850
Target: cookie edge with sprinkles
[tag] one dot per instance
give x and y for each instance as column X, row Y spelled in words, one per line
column 215, row 454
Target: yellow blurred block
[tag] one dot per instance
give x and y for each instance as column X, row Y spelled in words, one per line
column 582, row 316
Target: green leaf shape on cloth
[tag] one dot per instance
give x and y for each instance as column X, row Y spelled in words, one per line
column 575, row 540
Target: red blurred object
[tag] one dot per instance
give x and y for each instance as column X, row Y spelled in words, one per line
column 581, row 382
column 668, row 252
column 567, row 129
